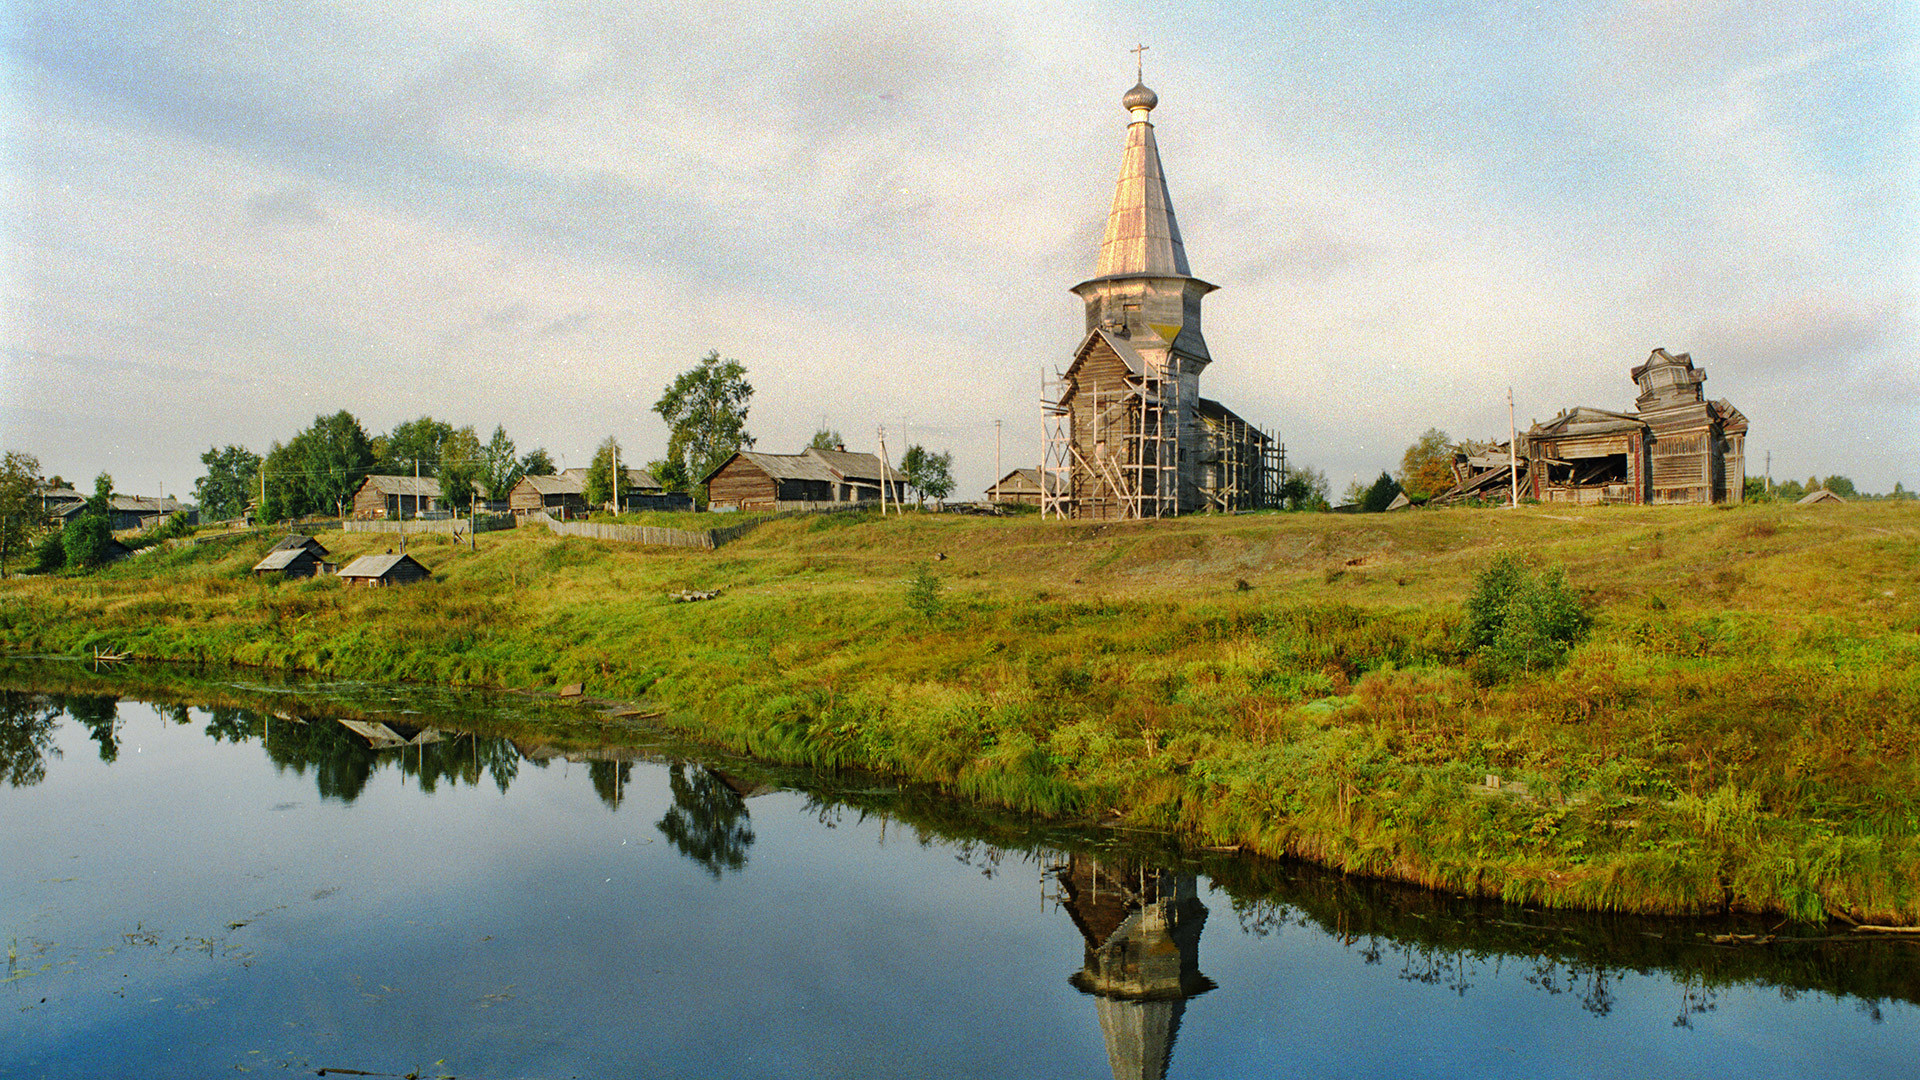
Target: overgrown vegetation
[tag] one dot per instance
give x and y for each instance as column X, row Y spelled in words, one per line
column 1734, row 728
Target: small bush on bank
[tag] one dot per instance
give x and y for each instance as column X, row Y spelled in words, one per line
column 1520, row 622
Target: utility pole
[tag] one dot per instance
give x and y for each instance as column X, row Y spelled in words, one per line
column 1513, row 454
column 884, row 468
column 616, row 479
column 1769, row 472
column 996, row 462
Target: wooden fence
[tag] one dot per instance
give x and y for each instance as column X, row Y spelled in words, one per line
column 685, row 538
column 479, row 524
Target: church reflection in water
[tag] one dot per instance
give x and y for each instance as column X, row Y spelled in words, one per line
column 1142, row 929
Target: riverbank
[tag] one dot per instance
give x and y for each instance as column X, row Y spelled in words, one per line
column 1738, row 733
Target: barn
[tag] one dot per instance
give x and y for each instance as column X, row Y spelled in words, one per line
column 292, row 562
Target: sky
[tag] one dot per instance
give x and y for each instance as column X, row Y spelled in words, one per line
column 223, row 219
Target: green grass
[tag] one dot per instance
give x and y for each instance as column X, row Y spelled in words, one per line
column 1738, row 731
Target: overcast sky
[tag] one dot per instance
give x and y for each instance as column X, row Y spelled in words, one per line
column 223, row 219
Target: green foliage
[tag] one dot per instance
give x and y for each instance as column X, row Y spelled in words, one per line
column 22, row 514
column 671, row 476
column 599, row 491
column 1380, row 495
column 50, row 553
column 102, row 501
column 231, row 482
column 706, row 413
column 415, row 443
column 87, row 540
column 1518, row 621
column 500, row 470
column 1840, row 486
column 1791, row 491
column 537, row 462
column 826, row 439
column 928, row 473
column 463, row 468
column 924, row 593
column 1426, row 469
column 319, row 468
column 1305, row 489
column 1755, row 490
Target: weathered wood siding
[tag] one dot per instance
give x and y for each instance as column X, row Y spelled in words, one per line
column 743, row 484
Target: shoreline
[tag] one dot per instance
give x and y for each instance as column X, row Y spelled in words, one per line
column 1337, row 727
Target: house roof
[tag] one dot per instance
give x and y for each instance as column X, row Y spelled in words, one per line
column 281, row 558
column 376, row 566
column 826, row 466
column 417, row 486
column 1820, row 496
column 630, row 478
column 1028, row 479
column 555, row 485
column 1587, row 420
column 143, row 504
column 296, row 540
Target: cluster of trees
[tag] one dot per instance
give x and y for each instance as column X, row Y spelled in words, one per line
column 85, row 540
column 319, row 468
column 1794, row 490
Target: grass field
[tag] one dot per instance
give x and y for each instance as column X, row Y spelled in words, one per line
column 1740, row 731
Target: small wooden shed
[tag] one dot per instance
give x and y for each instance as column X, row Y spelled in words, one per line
column 293, row 562
column 388, row 569
column 557, row 496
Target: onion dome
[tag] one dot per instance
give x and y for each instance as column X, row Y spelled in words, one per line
column 1140, row 98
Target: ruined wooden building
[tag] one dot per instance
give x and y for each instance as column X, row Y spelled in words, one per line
column 1125, row 432
column 1676, row 447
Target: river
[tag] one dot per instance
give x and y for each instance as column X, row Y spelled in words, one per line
column 188, row 891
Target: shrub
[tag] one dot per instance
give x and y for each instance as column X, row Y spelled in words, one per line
column 923, row 593
column 50, row 553
column 86, row 541
column 1520, row 621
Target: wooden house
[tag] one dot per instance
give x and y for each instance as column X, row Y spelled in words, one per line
column 388, row 569
column 396, row 498
column 1677, row 447
column 1818, row 496
column 1125, row 431
column 639, row 490
column 142, row 512
column 755, row 482
column 1022, row 486
column 293, row 562
column 559, row 497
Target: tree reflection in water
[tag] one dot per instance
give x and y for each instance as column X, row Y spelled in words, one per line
column 709, row 822
column 101, row 717
column 27, row 721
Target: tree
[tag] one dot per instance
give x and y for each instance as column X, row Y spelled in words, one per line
column 231, row 481
column 1380, row 494
column 102, row 501
column 825, row 439
column 1305, row 489
column 1840, row 486
column 463, row 467
column 706, row 414
column 600, row 474
column 670, row 476
column 416, row 443
column 537, row 463
column 22, row 513
column 1519, row 621
column 1426, row 469
column 318, row 469
column 87, row 539
column 502, row 470
column 928, row 473
column 1791, row 491
column 1754, row 490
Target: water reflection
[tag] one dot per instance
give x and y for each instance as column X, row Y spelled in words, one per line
column 1138, row 912
column 1142, row 929
column 708, row 822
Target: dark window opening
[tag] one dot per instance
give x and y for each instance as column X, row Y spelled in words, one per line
column 1587, row 472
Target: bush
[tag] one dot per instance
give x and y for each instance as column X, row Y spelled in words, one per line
column 1521, row 622
column 50, row 553
column 923, row 593
column 86, row 540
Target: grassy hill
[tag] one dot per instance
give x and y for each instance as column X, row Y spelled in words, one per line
column 1739, row 730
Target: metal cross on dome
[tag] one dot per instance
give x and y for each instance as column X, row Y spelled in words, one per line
column 1138, row 69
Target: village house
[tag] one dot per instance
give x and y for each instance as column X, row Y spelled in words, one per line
column 296, row 540
column 143, row 512
column 1126, row 432
column 387, row 569
column 1021, row 486
column 293, row 562
column 396, row 498
column 1676, row 448
column 756, row 482
column 564, row 496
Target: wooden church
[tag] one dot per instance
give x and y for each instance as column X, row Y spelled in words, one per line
column 1126, row 433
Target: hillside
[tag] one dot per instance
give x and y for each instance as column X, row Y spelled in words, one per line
column 1739, row 730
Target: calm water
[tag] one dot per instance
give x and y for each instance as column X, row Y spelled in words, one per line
column 191, row 892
